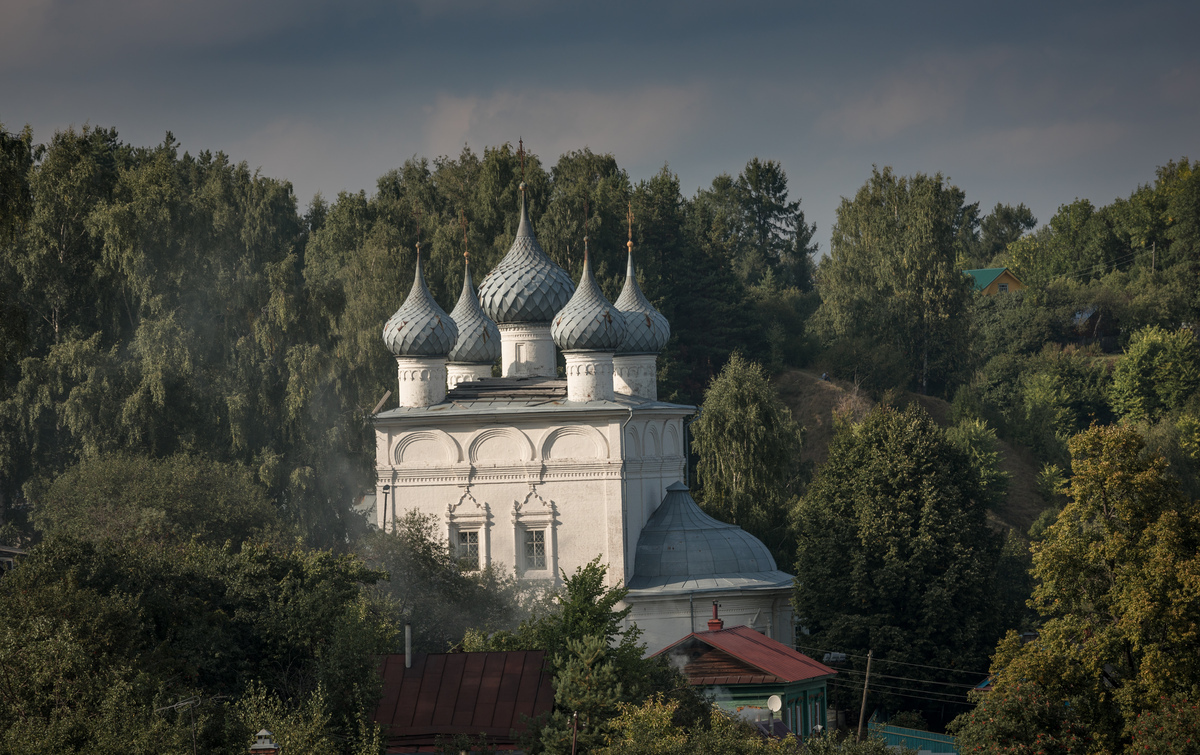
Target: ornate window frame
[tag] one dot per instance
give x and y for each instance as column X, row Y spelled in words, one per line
column 535, row 513
column 467, row 515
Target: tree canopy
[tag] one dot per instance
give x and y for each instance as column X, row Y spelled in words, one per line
column 1117, row 575
column 748, row 449
column 892, row 274
column 895, row 555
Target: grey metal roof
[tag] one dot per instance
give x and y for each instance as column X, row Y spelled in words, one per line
column 420, row 328
column 478, row 337
column 589, row 322
column 511, row 396
column 682, row 545
column 527, row 286
column 647, row 331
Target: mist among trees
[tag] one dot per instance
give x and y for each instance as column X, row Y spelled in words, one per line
column 189, row 354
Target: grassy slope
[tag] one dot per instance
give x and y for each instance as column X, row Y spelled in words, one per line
column 814, row 402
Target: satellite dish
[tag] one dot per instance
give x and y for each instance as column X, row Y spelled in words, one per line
column 774, row 703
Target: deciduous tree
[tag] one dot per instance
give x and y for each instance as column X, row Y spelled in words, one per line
column 748, row 448
column 892, row 274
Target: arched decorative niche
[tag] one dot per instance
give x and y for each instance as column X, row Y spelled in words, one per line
column 633, row 442
column 423, row 448
column 671, row 444
column 573, row 442
column 653, row 446
column 499, row 445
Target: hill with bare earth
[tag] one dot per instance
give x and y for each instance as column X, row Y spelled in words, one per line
column 815, row 403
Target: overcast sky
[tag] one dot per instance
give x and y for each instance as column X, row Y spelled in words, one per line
column 1016, row 102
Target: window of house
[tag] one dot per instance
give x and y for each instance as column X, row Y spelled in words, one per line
column 1004, row 288
column 535, row 549
column 468, row 547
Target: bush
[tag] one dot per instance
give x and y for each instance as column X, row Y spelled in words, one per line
column 978, row 442
column 136, row 498
column 1159, row 373
column 1172, row 728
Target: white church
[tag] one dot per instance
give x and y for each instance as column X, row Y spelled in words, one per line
column 536, row 474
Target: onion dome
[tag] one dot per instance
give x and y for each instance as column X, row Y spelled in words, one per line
column 589, row 322
column 647, row 331
column 478, row 337
column 682, row 544
column 420, row 328
column 527, row 286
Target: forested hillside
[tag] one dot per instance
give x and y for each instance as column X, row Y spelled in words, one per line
column 160, row 302
column 189, row 355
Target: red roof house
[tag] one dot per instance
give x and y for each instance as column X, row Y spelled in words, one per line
column 743, row 668
column 448, row 694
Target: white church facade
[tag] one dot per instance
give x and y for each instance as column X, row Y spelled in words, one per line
column 540, row 475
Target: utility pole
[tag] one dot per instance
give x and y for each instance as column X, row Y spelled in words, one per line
column 862, row 711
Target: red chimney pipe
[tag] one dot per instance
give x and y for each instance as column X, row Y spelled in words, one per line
column 715, row 624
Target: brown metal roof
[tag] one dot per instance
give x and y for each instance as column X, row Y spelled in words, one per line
column 446, row 694
column 751, row 658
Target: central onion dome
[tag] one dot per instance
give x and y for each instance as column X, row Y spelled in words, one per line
column 682, row 544
column 527, row 286
column 588, row 322
column 478, row 337
column 420, row 328
column 648, row 331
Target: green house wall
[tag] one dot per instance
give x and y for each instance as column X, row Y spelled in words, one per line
column 798, row 699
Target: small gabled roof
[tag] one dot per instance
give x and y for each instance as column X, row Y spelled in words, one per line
column 983, row 277
column 774, row 661
column 446, row 694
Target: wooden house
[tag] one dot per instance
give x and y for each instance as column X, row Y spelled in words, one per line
column 995, row 280
column 743, row 668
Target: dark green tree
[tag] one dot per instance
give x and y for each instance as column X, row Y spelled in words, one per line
column 1002, row 226
column 895, row 553
column 95, row 637
column 774, row 234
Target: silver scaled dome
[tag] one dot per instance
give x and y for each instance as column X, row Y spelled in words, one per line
column 527, row 286
column 682, row 543
column 420, row 328
column 478, row 337
column 647, row 331
column 589, row 322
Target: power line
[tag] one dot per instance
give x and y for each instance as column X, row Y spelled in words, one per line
column 1101, row 267
column 910, row 679
column 943, row 695
column 914, row 697
column 900, row 663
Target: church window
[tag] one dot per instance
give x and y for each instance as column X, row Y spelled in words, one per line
column 535, row 549
column 468, row 548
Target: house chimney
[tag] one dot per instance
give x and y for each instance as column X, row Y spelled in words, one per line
column 264, row 744
column 715, row 624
